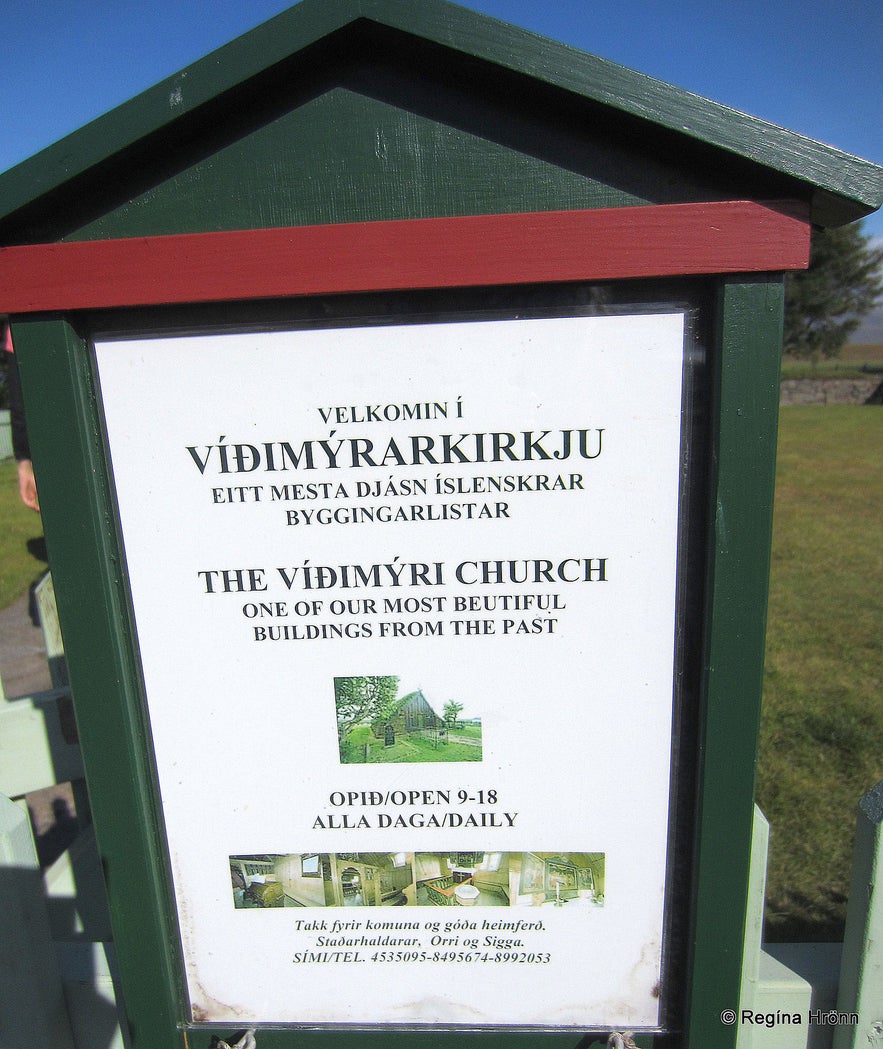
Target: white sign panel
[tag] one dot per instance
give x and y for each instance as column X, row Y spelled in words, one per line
column 405, row 604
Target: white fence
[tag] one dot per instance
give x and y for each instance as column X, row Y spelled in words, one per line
column 57, row 965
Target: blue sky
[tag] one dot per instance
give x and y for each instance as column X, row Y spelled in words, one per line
column 813, row 67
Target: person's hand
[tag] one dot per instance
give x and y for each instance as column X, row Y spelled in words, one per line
column 27, row 486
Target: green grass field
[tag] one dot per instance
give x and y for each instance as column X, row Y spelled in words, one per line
column 21, row 540
column 408, row 749
column 821, row 741
column 855, row 361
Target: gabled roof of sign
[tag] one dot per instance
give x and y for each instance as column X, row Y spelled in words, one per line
column 844, row 187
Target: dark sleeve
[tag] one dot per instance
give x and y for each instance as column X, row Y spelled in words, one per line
column 20, row 447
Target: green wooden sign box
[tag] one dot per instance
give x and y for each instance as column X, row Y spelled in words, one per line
column 461, row 187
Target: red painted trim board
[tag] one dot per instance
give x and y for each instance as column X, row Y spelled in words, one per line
column 598, row 245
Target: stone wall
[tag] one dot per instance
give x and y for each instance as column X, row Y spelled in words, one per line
column 831, row 391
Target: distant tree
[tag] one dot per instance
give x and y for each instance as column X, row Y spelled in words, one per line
column 452, row 712
column 826, row 303
column 359, row 699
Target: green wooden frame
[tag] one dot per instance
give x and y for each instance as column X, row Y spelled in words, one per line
column 592, row 137
column 85, row 555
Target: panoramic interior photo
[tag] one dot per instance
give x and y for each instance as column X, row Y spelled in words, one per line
column 462, row 879
column 351, row 879
column 558, row 879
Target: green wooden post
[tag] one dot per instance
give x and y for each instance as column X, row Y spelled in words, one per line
column 744, row 463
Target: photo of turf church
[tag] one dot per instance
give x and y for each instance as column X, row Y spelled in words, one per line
column 406, row 729
column 411, row 714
